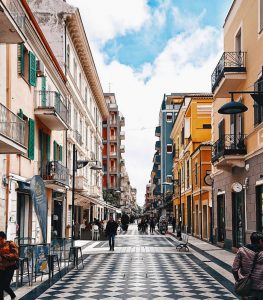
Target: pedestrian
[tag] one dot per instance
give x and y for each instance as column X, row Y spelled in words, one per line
column 243, row 264
column 152, row 225
column 8, row 264
column 111, row 231
column 173, row 224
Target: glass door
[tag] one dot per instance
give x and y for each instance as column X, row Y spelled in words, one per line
column 221, row 218
column 238, row 210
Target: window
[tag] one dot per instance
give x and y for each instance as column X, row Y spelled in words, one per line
column 260, row 15
column 68, row 57
column 75, row 70
column 29, row 134
column 57, row 151
column 221, row 130
column 80, row 83
column 169, row 117
column 169, row 148
column 196, row 173
column 258, row 110
column 207, row 126
column 187, row 175
column 27, row 65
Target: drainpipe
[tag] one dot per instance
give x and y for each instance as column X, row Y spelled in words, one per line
column 8, row 105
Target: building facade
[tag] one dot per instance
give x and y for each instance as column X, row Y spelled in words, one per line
column 237, row 151
column 191, row 136
column 34, row 121
column 63, row 28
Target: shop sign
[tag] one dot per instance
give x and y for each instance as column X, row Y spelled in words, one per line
column 39, row 198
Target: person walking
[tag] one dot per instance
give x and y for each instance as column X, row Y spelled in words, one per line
column 243, row 264
column 152, row 225
column 111, row 231
column 173, row 224
column 8, row 262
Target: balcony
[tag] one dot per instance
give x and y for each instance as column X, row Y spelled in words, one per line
column 122, row 135
column 113, row 106
column 157, row 159
column 12, row 132
column 228, row 74
column 175, row 154
column 122, row 121
column 12, row 23
column 51, row 111
column 54, row 174
column 81, row 183
column 158, row 131
column 94, row 192
column 113, row 122
column 77, row 136
column 122, row 148
column 229, row 151
column 158, row 145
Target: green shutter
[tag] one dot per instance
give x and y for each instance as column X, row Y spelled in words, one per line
column 20, row 114
column 55, row 150
column 31, row 139
column 57, row 101
column 60, row 153
column 48, row 147
column 32, row 69
column 22, row 59
column 43, row 91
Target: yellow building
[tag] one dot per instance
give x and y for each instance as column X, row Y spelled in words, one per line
column 237, row 151
column 191, row 137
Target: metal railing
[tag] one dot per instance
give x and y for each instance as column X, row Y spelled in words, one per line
column 11, row 125
column 54, row 170
column 51, row 99
column 229, row 144
column 77, row 136
column 229, row 62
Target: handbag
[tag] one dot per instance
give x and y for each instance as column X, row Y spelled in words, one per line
column 243, row 285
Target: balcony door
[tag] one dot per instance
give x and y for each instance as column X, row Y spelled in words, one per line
column 189, row 217
column 238, row 220
column 44, row 142
column 221, row 232
column 259, row 208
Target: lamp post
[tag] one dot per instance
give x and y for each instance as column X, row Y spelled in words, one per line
column 78, row 164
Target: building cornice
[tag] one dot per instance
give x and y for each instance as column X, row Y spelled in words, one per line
column 80, row 41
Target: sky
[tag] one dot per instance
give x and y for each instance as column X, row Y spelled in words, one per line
column 144, row 49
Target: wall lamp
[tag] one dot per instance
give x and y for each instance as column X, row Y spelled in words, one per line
column 232, row 107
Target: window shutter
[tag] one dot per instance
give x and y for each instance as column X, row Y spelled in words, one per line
column 31, row 139
column 48, row 147
column 43, row 91
column 21, row 60
column 55, row 150
column 32, row 69
column 60, row 153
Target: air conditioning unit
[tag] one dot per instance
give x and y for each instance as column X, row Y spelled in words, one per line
column 40, row 68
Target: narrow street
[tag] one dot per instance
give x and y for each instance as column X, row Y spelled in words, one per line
column 143, row 266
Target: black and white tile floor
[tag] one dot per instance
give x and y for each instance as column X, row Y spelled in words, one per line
column 147, row 275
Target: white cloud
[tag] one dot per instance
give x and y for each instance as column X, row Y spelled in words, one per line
column 185, row 65
column 106, row 19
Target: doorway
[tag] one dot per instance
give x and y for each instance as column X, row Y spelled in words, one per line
column 259, row 207
column 221, row 231
column 238, row 211
column 189, row 218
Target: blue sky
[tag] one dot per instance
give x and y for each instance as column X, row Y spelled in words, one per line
column 146, row 48
column 138, row 47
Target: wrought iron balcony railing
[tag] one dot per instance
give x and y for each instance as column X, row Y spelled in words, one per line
column 229, row 62
column 230, row 144
column 54, row 170
column 11, row 125
column 51, row 99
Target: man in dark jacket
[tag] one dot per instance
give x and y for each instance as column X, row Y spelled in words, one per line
column 243, row 264
column 111, row 231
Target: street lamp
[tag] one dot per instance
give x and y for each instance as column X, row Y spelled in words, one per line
column 78, row 164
